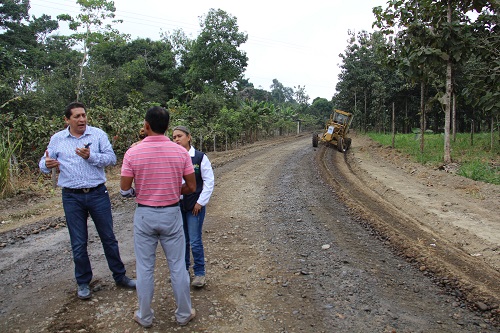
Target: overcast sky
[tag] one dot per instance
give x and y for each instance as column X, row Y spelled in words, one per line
column 297, row 43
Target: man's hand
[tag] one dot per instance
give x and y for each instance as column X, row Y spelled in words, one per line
column 83, row 152
column 50, row 162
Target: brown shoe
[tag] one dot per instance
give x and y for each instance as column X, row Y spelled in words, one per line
column 185, row 322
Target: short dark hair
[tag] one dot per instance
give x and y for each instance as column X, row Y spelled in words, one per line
column 71, row 106
column 158, row 119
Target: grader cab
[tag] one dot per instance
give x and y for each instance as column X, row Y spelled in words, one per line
column 336, row 131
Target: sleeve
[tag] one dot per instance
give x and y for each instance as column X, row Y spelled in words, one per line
column 207, row 174
column 126, row 170
column 188, row 164
column 102, row 155
column 42, row 166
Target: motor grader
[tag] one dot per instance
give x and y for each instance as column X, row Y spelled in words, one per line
column 336, row 130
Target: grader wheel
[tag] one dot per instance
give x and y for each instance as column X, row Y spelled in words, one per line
column 315, row 140
column 342, row 145
column 348, row 142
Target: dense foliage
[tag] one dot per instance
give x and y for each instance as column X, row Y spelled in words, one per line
column 435, row 62
column 201, row 80
column 405, row 65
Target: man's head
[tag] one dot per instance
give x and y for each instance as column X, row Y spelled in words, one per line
column 76, row 118
column 158, row 119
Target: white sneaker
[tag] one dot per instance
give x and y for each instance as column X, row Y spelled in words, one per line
column 198, row 281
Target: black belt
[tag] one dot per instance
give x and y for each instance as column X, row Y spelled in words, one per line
column 172, row 205
column 82, row 190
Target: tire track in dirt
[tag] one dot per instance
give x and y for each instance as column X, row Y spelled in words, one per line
column 452, row 267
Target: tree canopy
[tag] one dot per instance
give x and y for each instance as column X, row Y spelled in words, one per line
column 423, row 55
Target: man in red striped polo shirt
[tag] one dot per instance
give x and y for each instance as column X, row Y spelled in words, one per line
column 157, row 166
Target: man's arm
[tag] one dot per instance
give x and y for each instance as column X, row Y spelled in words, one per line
column 49, row 161
column 126, row 189
column 126, row 183
column 46, row 163
column 102, row 153
column 190, row 184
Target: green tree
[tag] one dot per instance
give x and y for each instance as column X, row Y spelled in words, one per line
column 481, row 86
column 300, row 95
column 443, row 23
column 360, row 73
column 229, row 126
column 248, row 93
column 119, row 67
column 214, row 58
column 90, row 28
column 281, row 94
column 287, row 116
column 56, row 86
column 23, row 56
column 321, row 109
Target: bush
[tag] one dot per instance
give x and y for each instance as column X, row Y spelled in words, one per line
column 121, row 125
column 478, row 161
column 478, row 170
column 7, row 151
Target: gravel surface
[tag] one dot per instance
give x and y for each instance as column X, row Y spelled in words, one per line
column 292, row 245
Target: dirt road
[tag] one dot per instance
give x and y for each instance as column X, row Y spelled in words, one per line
column 297, row 240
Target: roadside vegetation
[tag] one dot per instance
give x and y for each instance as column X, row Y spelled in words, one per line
column 8, row 166
column 427, row 64
column 473, row 154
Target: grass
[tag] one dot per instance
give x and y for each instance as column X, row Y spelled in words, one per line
column 7, row 150
column 477, row 161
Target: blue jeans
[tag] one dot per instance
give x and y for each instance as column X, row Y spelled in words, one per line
column 192, row 232
column 77, row 208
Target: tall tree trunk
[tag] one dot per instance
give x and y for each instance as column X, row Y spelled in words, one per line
column 406, row 116
column 449, row 90
column 454, row 121
column 472, row 132
column 84, row 59
column 393, row 124
column 80, row 76
column 356, row 103
column 491, row 132
column 422, row 115
column 447, row 114
column 383, row 115
column 498, row 129
column 366, row 120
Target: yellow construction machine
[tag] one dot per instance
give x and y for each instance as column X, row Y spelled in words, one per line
column 336, row 131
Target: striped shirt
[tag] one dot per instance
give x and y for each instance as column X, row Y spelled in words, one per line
column 157, row 166
column 75, row 171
